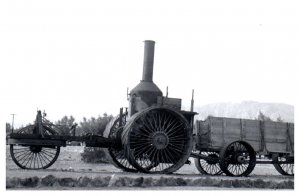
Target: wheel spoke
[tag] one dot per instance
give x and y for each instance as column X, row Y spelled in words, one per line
column 41, row 162
column 25, row 158
column 21, row 156
column 28, row 158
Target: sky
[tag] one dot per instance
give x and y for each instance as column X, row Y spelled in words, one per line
column 79, row 57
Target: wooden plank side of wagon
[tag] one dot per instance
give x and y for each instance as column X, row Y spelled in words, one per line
column 224, row 131
column 262, row 136
column 253, row 134
column 279, row 136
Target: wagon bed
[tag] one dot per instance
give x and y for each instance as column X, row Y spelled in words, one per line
column 264, row 136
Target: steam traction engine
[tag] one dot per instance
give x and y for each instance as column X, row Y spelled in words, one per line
column 155, row 136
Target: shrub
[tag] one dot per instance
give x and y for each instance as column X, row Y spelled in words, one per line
column 94, row 155
column 94, row 126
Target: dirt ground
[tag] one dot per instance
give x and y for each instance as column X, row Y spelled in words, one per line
column 69, row 165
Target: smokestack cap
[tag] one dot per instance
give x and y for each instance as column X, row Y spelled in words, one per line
column 149, row 41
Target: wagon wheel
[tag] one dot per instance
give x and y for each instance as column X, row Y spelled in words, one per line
column 157, row 140
column 208, row 167
column 237, row 159
column 116, row 154
column 33, row 156
column 286, row 169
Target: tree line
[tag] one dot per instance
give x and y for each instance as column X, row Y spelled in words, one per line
column 93, row 125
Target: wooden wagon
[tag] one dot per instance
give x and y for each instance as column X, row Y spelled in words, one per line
column 234, row 146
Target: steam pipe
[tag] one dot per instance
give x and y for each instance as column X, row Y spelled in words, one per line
column 148, row 61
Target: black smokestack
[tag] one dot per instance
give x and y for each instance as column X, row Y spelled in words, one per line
column 148, row 61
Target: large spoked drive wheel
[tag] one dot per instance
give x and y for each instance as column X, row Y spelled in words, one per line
column 33, row 156
column 287, row 168
column 116, row 154
column 157, row 140
column 237, row 159
column 208, row 166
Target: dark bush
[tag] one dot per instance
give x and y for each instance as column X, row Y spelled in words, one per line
column 94, row 155
column 94, row 126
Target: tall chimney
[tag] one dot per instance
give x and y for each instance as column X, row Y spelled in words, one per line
column 148, row 61
column 146, row 93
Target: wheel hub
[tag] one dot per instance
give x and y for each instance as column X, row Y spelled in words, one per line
column 35, row 149
column 160, row 140
column 241, row 159
column 237, row 158
column 211, row 161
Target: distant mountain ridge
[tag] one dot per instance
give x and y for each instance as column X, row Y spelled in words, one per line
column 246, row 110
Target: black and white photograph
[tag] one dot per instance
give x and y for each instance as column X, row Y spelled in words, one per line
column 130, row 96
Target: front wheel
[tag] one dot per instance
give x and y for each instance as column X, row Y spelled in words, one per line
column 34, row 157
